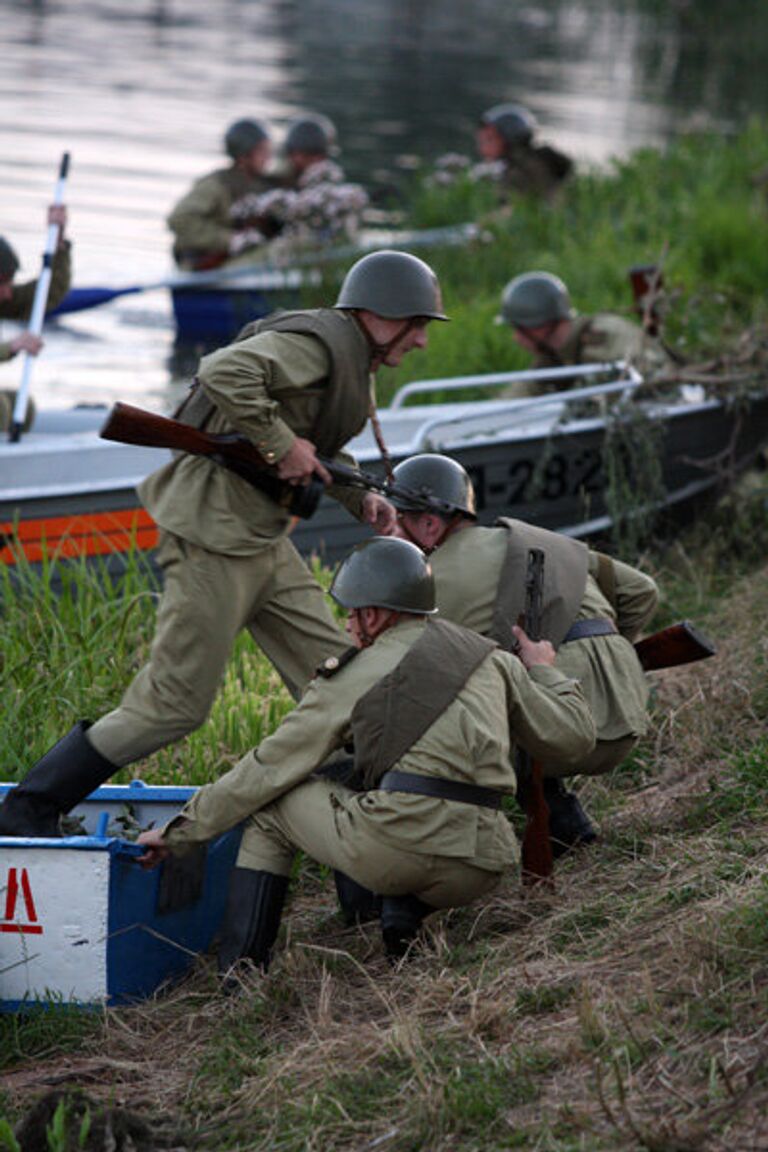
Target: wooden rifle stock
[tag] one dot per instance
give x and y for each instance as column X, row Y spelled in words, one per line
column 646, row 282
column 128, row 425
column 536, row 852
column 678, row 644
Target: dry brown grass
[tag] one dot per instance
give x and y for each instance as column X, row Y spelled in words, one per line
column 625, row 1010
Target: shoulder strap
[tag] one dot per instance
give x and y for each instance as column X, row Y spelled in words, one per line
column 404, row 704
column 566, row 565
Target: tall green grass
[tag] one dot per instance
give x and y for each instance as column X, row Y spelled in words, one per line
column 73, row 637
column 700, row 206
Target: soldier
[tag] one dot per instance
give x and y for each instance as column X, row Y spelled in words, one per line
column 537, row 306
column 208, row 227
column 428, row 830
column 594, row 608
column 510, row 158
column 505, row 140
column 16, row 302
column 318, row 206
column 295, row 384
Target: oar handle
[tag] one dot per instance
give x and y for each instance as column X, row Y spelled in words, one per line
column 37, row 315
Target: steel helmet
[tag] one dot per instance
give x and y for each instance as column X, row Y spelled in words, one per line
column 386, row 573
column 394, row 285
column 435, row 475
column 9, row 261
column 243, row 136
column 514, row 123
column 533, row 299
column 312, row 133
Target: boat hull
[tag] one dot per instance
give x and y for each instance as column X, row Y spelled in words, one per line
column 214, row 316
column 548, row 471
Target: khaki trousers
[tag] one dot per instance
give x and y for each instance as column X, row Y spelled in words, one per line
column 327, row 821
column 207, row 599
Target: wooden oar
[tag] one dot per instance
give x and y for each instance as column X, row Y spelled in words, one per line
column 38, row 308
column 258, row 276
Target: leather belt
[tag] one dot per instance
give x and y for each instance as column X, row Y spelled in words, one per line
column 584, row 629
column 395, row 781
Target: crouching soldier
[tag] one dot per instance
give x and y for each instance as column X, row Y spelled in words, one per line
column 593, row 608
column 433, row 712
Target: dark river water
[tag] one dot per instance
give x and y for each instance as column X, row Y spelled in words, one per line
column 140, row 92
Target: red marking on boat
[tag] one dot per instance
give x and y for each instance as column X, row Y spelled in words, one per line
column 20, row 883
column 86, row 534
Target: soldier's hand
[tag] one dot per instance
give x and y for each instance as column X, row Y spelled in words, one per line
column 380, row 514
column 25, row 342
column 532, row 652
column 57, row 214
column 156, row 850
column 300, row 463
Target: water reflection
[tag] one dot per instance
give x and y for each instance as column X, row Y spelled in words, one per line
column 141, row 94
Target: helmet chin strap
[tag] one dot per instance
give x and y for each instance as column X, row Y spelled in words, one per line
column 544, row 348
column 379, row 352
column 368, row 638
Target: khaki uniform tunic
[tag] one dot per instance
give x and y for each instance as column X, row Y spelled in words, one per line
column 535, row 170
column 19, row 307
column 226, row 558
column 202, row 221
column 606, row 337
column 467, row 569
column 445, row 852
column 597, row 339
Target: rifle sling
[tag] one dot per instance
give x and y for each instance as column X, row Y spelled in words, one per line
column 586, row 629
column 396, row 781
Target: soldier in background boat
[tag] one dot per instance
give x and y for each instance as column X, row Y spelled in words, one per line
column 510, row 156
column 594, row 608
column 428, row 830
column 296, row 384
column 317, row 205
column 537, row 307
column 16, row 302
column 208, row 230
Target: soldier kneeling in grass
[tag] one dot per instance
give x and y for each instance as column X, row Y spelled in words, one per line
column 434, row 712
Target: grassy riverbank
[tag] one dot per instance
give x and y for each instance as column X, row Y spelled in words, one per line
column 700, row 209
column 625, row 1010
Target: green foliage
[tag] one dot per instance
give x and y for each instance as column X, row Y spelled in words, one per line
column 632, row 452
column 694, row 206
column 41, row 1031
column 65, row 1133
column 8, row 1142
column 737, row 795
column 73, row 640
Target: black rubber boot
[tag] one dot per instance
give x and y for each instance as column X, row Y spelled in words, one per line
column 64, row 776
column 358, row 904
column 252, row 919
column 569, row 825
column 401, row 919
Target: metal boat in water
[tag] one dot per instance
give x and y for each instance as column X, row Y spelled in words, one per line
column 65, row 492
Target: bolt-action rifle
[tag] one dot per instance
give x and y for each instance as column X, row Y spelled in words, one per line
column 679, row 643
column 536, row 852
column 129, row 425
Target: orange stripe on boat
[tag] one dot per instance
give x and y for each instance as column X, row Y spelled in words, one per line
column 85, row 534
